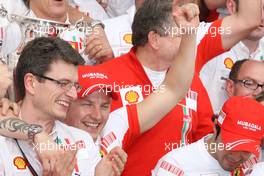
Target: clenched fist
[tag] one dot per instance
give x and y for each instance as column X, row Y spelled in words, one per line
column 186, row 17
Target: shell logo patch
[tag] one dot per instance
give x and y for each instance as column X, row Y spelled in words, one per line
column 128, row 38
column 228, row 63
column 20, row 163
column 132, row 96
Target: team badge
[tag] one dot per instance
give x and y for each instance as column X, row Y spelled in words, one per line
column 228, row 63
column 20, row 163
column 237, row 172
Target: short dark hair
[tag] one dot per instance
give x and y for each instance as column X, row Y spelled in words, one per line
column 217, row 127
column 153, row 15
column 236, row 68
column 39, row 54
column 26, row 2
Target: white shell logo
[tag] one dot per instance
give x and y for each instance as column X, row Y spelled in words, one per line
column 95, row 76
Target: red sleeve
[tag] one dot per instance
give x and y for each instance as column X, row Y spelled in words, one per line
column 204, row 112
column 210, row 45
column 134, row 129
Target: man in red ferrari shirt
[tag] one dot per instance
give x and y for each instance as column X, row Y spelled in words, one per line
column 137, row 74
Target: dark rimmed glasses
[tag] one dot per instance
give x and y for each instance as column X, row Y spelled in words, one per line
column 64, row 84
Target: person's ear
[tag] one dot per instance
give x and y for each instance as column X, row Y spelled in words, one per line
column 231, row 6
column 30, row 83
column 154, row 40
column 230, row 87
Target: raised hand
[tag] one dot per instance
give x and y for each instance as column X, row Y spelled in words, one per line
column 186, row 16
column 9, row 108
column 98, row 47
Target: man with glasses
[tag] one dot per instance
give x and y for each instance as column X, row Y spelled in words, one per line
column 246, row 79
column 46, row 82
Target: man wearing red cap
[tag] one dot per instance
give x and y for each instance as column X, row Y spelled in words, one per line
column 239, row 130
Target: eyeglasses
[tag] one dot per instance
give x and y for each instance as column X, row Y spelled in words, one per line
column 250, row 84
column 64, row 84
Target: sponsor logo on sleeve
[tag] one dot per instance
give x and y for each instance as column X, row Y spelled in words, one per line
column 131, row 95
column 228, row 63
column 20, row 163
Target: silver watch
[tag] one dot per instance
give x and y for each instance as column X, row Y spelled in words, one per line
column 94, row 23
column 33, row 130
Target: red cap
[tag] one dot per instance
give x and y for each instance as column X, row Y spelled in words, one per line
column 242, row 124
column 92, row 79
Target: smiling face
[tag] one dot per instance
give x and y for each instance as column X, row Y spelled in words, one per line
column 50, row 9
column 51, row 98
column 90, row 113
column 230, row 160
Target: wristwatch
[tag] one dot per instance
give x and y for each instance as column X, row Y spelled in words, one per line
column 33, row 130
column 94, row 23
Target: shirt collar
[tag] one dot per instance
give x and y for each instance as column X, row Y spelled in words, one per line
column 242, row 52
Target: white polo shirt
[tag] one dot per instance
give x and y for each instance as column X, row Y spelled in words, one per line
column 258, row 170
column 118, row 7
column 119, row 33
column 215, row 71
column 194, row 160
column 91, row 8
column 12, row 162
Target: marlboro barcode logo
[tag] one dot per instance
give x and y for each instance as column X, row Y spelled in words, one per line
column 108, row 140
column 171, row 168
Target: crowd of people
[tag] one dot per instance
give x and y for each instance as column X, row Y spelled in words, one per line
column 131, row 87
